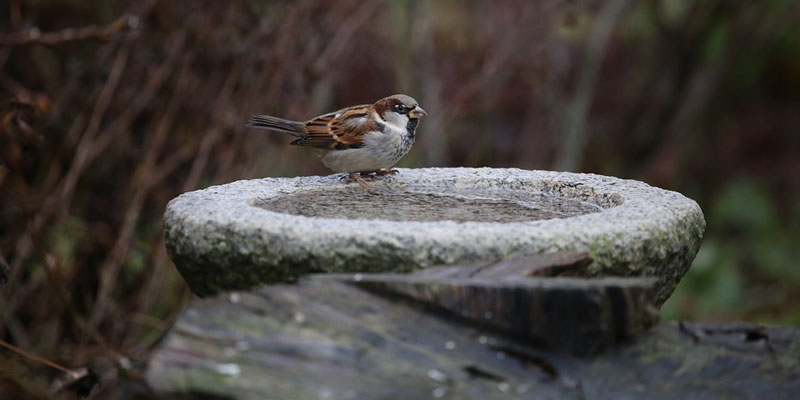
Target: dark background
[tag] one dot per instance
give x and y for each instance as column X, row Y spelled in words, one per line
column 102, row 125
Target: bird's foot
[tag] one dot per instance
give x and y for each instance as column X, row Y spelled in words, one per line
column 356, row 177
column 386, row 171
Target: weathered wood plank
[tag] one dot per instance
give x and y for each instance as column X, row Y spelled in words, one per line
column 329, row 339
column 552, row 264
column 581, row 316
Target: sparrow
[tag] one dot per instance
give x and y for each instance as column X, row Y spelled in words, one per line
column 356, row 140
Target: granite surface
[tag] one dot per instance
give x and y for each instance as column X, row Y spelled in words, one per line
column 247, row 233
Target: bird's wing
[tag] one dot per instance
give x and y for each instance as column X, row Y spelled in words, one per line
column 339, row 130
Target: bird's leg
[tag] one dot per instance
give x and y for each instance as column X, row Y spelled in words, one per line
column 355, row 177
column 386, row 171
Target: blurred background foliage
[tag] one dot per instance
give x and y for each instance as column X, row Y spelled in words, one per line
column 111, row 108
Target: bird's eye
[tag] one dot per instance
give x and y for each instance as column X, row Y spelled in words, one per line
column 401, row 109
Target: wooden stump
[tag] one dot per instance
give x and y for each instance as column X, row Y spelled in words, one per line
column 427, row 335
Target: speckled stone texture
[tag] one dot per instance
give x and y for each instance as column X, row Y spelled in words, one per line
column 247, row 233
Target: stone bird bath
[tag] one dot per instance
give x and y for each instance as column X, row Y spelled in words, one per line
column 248, row 233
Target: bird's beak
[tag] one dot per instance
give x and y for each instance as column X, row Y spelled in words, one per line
column 417, row 112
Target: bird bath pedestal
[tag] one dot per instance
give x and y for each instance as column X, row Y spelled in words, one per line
column 249, row 233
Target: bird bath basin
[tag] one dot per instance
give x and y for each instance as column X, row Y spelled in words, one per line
column 421, row 204
column 252, row 232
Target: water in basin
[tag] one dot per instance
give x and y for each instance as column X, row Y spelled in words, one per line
column 404, row 205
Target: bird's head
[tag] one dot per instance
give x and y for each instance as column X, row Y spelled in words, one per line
column 398, row 110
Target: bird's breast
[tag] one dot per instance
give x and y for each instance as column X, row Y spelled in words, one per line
column 381, row 150
column 391, row 144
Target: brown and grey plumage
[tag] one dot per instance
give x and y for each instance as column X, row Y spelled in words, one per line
column 358, row 139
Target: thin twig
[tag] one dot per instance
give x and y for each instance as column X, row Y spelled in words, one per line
column 33, row 357
column 34, row 35
column 5, row 269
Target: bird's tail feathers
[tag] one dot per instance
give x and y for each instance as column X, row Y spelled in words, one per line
column 293, row 128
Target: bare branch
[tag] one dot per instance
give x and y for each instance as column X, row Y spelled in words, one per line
column 35, row 36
